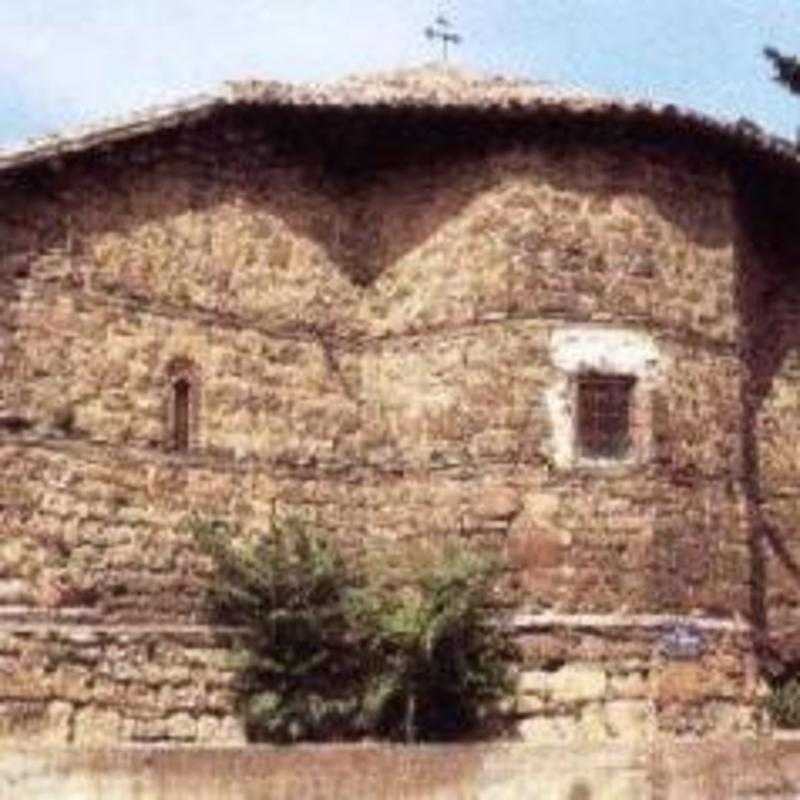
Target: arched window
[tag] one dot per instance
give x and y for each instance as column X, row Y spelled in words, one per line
column 182, row 415
column 180, row 400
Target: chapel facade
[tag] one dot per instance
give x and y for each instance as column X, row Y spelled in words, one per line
column 408, row 305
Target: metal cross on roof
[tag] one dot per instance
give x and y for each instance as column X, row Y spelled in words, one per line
column 443, row 29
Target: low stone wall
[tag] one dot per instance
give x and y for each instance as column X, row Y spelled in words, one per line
column 93, row 685
column 612, row 677
column 69, row 679
column 663, row 771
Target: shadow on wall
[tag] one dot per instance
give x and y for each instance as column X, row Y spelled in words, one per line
column 769, row 310
column 579, row 791
column 370, row 188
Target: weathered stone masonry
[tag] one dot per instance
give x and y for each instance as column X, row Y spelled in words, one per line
column 375, row 303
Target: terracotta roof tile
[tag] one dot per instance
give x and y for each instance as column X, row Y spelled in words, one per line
column 427, row 87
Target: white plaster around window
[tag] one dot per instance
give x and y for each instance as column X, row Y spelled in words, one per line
column 617, row 351
column 577, row 349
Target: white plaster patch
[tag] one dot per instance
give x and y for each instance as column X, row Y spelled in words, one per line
column 578, row 349
column 615, row 351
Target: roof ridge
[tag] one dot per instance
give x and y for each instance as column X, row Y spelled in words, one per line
column 442, row 83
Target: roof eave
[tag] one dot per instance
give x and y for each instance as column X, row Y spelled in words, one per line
column 745, row 136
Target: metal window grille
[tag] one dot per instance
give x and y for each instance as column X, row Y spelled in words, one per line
column 604, row 407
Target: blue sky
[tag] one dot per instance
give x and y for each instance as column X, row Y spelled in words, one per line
column 63, row 62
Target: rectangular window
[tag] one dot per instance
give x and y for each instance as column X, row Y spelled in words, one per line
column 604, row 410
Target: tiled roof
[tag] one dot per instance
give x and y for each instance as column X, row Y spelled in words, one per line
column 433, row 87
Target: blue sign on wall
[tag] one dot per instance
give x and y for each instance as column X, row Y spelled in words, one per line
column 682, row 641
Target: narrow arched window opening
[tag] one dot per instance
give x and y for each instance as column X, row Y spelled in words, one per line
column 182, row 405
column 181, row 393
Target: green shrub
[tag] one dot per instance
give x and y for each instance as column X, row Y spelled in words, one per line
column 441, row 660
column 299, row 675
column 783, row 702
column 405, row 648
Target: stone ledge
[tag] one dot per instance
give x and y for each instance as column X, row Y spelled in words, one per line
column 25, row 617
column 70, row 620
column 525, row 622
column 28, row 616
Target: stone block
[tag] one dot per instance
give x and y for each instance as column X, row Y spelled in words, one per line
column 71, row 682
column 543, row 586
column 497, row 502
column 145, row 730
column 176, row 675
column 95, row 727
column 231, row 731
column 56, row 731
column 22, row 721
column 24, row 684
column 208, row 728
column 689, row 683
column 530, row 704
column 10, row 644
column 629, row 685
column 573, row 683
column 181, row 726
column 494, row 443
column 108, row 692
column 531, row 549
column 541, row 507
column 541, row 646
column 186, row 696
column 548, row 731
column 630, row 720
column 15, row 592
column 732, row 719
column 533, row 682
column 591, row 726
column 576, row 683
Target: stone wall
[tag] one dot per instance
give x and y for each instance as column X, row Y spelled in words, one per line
column 770, row 336
column 69, row 678
column 91, row 684
column 606, row 678
column 374, row 348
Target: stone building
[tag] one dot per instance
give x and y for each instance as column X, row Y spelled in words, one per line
column 407, row 305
